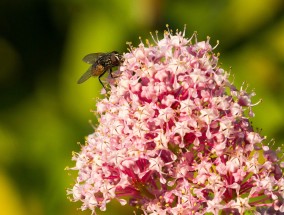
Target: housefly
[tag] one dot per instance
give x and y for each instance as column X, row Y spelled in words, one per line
column 101, row 63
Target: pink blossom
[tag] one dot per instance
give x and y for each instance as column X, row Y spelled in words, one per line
column 174, row 138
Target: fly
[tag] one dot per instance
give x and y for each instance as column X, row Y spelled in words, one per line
column 101, row 63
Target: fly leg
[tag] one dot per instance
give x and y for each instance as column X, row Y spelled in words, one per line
column 100, row 79
column 111, row 75
column 110, row 71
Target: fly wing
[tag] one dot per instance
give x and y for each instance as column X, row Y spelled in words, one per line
column 92, row 58
column 85, row 76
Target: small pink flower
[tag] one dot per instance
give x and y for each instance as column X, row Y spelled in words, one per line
column 173, row 138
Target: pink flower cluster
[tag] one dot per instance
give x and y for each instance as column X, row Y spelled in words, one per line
column 174, row 138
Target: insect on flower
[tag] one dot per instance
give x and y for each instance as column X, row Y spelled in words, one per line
column 101, row 63
column 174, row 137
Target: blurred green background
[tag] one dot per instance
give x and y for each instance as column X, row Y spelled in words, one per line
column 44, row 113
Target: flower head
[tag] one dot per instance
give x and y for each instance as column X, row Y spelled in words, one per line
column 173, row 137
